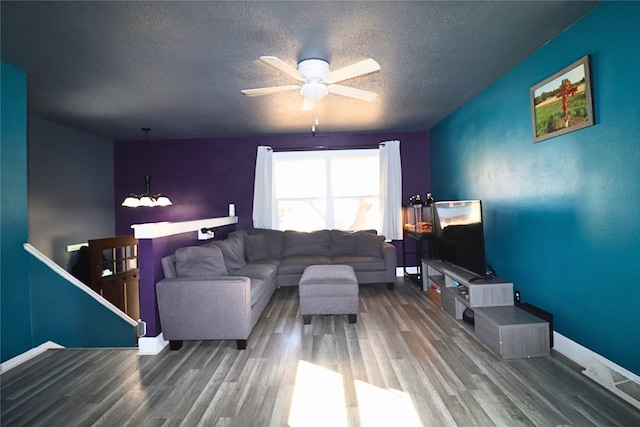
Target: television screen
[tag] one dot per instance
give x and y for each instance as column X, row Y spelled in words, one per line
column 459, row 234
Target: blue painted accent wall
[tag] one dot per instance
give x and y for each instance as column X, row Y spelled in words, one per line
column 37, row 304
column 15, row 328
column 561, row 216
column 66, row 315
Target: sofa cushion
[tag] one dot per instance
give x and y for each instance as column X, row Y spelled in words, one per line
column 200, row 261
column 298, row 243
column 256, row 247
column 369, row 244
column 296, row 265
column 343, row 242
column 361, row 263
column 261, row 273
column 232, row 252
column 274, row 240
column 264, row 270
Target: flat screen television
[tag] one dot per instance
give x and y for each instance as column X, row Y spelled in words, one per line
column 459, row 235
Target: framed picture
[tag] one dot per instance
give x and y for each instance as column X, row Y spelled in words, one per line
column 562, row 103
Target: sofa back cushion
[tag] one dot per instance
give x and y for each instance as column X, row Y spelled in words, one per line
column 369, row 244
column 256, row 247
column 200, row 261
column 273, row 238
column 299, row 243
column 343, row 242
column 238, row 234
column 232, row 252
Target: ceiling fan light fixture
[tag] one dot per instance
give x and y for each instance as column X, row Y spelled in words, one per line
column 312, row 69
column 316, row 80
column 314, row 90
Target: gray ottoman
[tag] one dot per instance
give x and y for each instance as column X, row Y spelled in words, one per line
column 328, row 289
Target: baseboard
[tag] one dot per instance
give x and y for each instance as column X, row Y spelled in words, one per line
column 146, row 346
column 151, row 345
column 28, row 355
column 618, row 380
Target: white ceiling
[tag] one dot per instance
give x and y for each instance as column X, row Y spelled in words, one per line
column 110, row 68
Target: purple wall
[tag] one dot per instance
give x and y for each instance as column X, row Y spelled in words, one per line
column 202, row 176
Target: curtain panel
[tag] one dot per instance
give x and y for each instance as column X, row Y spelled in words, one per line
column 262, row 189
column 391, row 190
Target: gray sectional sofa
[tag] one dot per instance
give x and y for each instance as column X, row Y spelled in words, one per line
column 218, row 290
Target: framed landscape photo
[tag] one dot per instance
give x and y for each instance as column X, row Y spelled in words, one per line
column 562, row 103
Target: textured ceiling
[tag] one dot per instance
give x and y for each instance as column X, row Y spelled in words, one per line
column 110, row 68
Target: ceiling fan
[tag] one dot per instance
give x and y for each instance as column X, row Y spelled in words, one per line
column 317, row 81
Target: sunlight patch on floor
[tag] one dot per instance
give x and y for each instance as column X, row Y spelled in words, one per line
column 319, row 400
column 380, row 407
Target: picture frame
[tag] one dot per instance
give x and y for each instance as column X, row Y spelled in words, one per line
column 563, row 102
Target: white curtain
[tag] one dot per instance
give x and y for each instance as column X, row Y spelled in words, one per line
column 391, row 190
column 262, row 189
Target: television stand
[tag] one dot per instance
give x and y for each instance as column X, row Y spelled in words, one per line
column 506, row 330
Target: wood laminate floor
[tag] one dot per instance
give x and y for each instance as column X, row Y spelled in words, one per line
column 404, row 363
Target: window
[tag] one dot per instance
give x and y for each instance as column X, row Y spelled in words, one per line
column 332, row 189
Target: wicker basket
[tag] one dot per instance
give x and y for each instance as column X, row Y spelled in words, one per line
column 433, row 293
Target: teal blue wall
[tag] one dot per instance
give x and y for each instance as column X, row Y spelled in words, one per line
column 562, row 217
column 65, row 314
column 15, row 327
column 37, row 304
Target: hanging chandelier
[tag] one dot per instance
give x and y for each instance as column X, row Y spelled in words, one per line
column 146, row 199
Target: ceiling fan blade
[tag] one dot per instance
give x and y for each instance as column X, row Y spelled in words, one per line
column 352, row 92
column 280, row 65
column 269, row 90
column 354, row 70
column 307, row 104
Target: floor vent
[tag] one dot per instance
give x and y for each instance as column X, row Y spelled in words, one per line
column 614, row 381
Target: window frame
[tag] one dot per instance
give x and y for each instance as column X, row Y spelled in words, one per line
column 326, row 156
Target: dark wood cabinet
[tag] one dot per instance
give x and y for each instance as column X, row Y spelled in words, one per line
column 114, row 272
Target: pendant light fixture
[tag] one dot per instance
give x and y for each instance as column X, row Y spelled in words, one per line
column 146, row 199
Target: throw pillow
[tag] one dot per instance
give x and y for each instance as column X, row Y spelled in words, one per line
column 256, row 247
column 369, row 244
column 299, row 243
column 200, row 261
column 232, row 252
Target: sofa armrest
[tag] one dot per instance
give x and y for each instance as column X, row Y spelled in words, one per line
column 169, row 266
column 390, row 261
column 205, row 308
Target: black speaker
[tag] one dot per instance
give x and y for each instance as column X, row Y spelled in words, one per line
column 468, row 316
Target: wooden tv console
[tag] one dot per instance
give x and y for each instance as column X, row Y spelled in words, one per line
column 506, row 330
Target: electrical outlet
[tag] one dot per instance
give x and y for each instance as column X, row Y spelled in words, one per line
column 517, row 296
